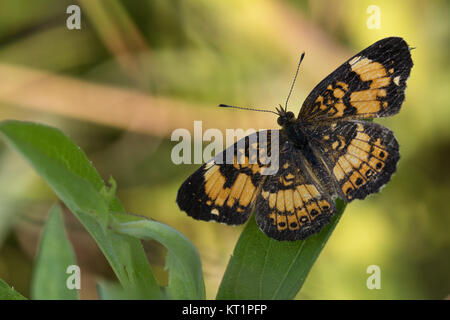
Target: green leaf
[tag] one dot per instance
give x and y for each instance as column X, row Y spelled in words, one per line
column 62, row 164
column 263, row 268
column 114, row 291
column 111, row 291
column 183, row 261
column 65, row 167
column 55, row 256
column 8, row 293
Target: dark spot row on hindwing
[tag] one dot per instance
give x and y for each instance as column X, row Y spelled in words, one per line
column 361, row 156
column 291, row 205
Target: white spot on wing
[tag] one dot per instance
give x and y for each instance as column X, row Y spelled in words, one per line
column 209, row 164
column 354, row 60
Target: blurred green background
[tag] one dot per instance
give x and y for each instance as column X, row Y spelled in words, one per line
column 138, row 69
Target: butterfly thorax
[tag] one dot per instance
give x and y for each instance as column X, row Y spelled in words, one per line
column 292, row 129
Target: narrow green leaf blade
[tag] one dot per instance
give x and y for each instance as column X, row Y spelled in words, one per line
column 263, row 268
column 114, row 291
column 183, row 260
column 8, row 293
column 55, row 256
column 127, row 258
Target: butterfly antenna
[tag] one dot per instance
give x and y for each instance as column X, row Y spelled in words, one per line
column 293, row 82
column 251, row 109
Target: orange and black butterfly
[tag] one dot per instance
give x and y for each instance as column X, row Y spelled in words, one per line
column 328, row 151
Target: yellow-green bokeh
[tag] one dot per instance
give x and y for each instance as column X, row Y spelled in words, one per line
column 197, row 54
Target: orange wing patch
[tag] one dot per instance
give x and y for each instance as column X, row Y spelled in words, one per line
column 294, row 208
column 368, row 101
column 242, row 192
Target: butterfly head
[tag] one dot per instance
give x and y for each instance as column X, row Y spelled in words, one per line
column 285, row 117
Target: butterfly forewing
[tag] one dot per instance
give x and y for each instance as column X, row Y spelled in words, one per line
column 370, row 84
column 224, row 189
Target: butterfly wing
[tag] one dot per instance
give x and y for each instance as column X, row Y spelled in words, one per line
column 361, row 156
column 226, row 192
column 371, row 84
column 293, row 205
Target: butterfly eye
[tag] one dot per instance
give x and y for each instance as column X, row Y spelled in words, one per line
column 280, row 121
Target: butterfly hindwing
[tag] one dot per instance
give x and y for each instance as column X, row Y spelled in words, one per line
column 370, row 84
column 226, row 192
column 292, row 205
column 360, row 155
